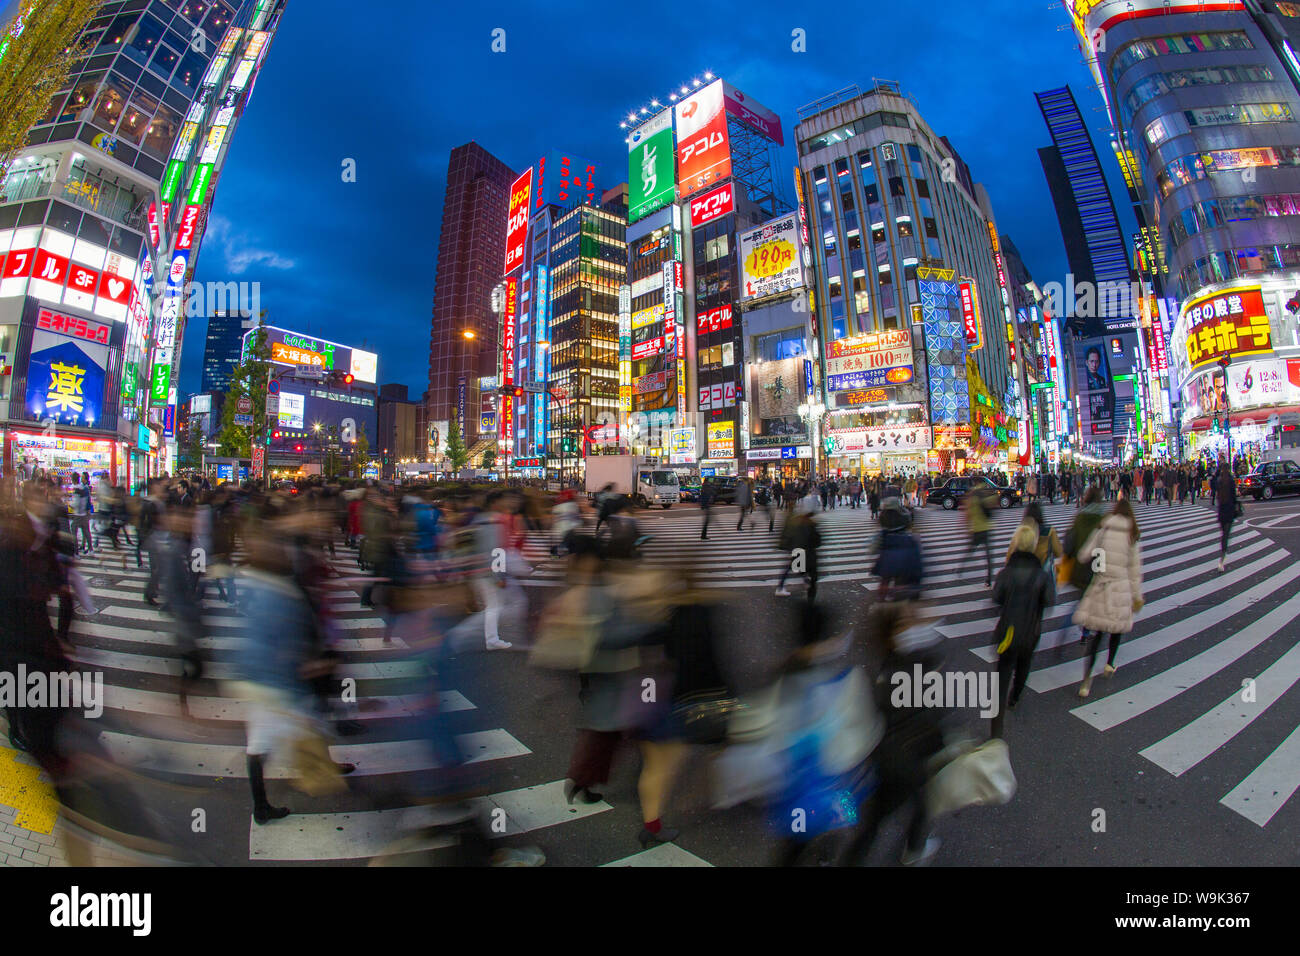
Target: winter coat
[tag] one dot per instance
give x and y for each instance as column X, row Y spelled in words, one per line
column 1048, row 543
column 1022, row 590
column 899, row 560
column 1226, row 504
column 744, row 497
column 1107, row 605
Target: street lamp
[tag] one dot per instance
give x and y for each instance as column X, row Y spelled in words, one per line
column 811, row 413
column 469, row 335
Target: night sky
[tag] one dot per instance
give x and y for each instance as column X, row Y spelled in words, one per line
column 355, row 262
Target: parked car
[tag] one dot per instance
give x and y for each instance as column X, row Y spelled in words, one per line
column 952, row 491
column 1270, row 478
column 690, row 489
column 724, row 490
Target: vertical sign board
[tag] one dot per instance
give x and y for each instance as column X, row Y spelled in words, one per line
column 460, row 408
column 970, row 315
column 508, row 360
column 517, row 222
column 650, row 172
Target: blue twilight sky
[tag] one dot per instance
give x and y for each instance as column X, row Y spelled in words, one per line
column 396, row 84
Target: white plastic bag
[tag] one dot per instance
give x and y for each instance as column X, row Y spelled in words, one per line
column 979, row 777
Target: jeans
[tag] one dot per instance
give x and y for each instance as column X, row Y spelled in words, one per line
column 80, row 530
column 978, row 538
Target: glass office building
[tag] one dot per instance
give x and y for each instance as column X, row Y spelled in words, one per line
column 112, row 191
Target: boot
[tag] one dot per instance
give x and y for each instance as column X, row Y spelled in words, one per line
column 263, row 812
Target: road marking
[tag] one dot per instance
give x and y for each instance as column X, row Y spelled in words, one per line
column 1261, row 795
column 1192, row 743
column 226, row 670
column 372, row 759
column 135, row 701
column 1068, row 672
column 666, row 854
column 1173, row 751
column 351, row 836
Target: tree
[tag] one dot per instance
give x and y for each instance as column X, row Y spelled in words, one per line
column 249, row 379
column 490, row 458
column 360, row 452
column 456, row 450
column 35, row 62
column 191, row 452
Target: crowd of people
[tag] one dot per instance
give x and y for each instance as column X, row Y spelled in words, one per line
column 444, row 566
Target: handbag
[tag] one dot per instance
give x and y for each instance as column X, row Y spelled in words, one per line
column 570, row 632
column 705, row 716
column 981, row 776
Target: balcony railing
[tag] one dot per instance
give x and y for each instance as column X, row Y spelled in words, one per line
column 83, row 191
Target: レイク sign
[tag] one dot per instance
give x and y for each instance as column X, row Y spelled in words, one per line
column 517, row 221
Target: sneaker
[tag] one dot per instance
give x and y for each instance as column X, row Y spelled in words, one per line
column 1110, row 669
column 1220, row 565
column 782, row 592
column 923, row 856
column 496, row 644
column 1085, row 687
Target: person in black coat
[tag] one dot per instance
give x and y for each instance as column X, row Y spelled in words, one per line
column 1022, row 590
column 898, row 564
column 1227, row 508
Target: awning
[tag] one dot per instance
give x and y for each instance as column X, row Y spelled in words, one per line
column 1252, row 416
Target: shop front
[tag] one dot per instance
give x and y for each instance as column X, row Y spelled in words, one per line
column 64, row 455
column 786, row 461
column 879, row 449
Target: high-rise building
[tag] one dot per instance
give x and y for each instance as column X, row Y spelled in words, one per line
column 1205, row 97
column 397, row 440
column 113, row 189
column 915, row 328
column 558, row 364
column 471, row 248
column 222, row 350
column 701, row 173
column 1094, row 243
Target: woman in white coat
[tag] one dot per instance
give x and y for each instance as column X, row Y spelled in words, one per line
column 1115, row 593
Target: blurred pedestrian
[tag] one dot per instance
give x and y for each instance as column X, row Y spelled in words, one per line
column 1023, row 590
column 1114, row 594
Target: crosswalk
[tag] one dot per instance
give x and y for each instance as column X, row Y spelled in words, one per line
column 1206, row 681
column 1208, row 677
column 131, row 645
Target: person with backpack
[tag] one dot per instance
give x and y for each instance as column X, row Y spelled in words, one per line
column 1114, row 594
column 1023, row 590
column 899, row 565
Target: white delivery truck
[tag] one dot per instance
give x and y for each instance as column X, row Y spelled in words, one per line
column 642, row 480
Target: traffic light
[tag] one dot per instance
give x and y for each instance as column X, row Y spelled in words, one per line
column 276, row 436
column 1216, row 424
column 297, row 448
column 347, row 379
column 519, row 392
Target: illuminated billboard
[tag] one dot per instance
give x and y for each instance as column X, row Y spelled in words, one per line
column 712, row 205
column 970, row 315
column 869, row 361
column 703, row 149
column 753, row 114
column 1228, row 323
column 517, row 220
column 650, row 166
column 769, row 259
column 508, row 332
column 295, row 349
